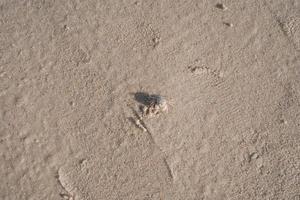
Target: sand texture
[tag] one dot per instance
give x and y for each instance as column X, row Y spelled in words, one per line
column 75, row 76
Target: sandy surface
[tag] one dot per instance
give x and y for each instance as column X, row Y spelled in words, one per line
column 69, row 70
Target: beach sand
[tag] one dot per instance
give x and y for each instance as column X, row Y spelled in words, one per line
column 71, row 125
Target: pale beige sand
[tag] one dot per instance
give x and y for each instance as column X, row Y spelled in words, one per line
column 68, row 72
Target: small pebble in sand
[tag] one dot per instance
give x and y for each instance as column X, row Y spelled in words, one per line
column 228, row 24
column 66, row 196
column 253, row 156
column 156, row 41
column 66, row 27
column 221, row 6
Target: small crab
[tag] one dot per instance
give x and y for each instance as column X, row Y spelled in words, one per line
column 150, row 105
column 156, row 105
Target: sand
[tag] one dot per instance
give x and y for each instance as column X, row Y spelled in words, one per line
column 70, row 72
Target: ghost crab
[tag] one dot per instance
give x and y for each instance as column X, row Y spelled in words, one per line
column 155, row 105
column 150, row 105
